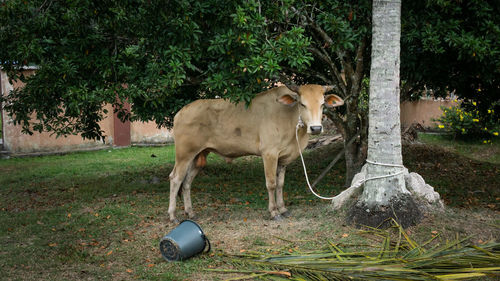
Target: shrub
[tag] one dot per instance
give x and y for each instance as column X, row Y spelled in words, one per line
column 468, row 120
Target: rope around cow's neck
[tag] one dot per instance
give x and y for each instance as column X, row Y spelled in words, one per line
column 358, row 183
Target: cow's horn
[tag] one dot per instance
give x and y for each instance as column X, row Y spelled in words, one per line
column 293, row 87
column 329, row 88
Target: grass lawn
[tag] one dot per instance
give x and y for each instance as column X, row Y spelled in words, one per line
column 471, row 149
column 100, row 215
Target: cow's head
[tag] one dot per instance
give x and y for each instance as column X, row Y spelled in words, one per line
column 310, row 100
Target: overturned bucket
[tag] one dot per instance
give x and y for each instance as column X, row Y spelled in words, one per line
column 184, row 241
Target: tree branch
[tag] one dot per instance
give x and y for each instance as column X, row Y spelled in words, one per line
column 312, row 73
column 326, row 58
column 360, row 59
column 346, row 65
column 322, row 53
column 338, row 121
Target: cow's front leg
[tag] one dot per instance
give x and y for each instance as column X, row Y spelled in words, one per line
column 280, row 175
column 270, row 167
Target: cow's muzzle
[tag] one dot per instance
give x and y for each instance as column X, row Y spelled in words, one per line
column 316, row 130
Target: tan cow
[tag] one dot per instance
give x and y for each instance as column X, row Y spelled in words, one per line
column 266, row 128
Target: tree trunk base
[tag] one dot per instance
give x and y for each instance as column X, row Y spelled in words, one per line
column 402, row 208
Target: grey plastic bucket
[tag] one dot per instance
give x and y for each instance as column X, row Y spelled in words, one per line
column 184, row 241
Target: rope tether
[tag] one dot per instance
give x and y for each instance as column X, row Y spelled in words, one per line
column 356, row 184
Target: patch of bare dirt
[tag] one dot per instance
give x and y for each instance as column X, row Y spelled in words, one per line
column 245, row 230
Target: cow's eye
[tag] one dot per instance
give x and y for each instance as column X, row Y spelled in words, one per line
column 302, row 104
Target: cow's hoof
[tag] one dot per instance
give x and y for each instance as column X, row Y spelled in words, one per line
column 277, row 218
column 174, row 221
column 286, row 214
column 192, row 216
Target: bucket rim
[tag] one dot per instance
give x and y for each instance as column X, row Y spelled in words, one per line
column 195, row 223
column 178, row 252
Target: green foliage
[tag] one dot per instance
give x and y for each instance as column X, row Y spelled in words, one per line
column 396, row 257
column 466, row 121
column 157, row 55
column 161, row 55
column 451, row 46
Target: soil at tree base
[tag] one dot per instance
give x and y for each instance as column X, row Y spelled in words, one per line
column 402, row 208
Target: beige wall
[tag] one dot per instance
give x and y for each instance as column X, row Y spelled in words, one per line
column 15, row 142
column 148, row 133
column 422, row 112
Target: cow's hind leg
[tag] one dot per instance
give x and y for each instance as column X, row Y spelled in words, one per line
column 270, row 167
column 280, row 175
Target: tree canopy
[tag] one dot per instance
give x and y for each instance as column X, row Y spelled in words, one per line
column 452, row 46
column 161, row 55
column 157, row 55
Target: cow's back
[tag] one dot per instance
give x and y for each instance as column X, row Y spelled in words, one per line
column 234, row 130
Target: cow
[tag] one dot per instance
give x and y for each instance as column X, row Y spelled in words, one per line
column 266, row 127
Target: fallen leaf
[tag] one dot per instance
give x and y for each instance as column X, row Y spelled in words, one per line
column 434, row 232
column 345, row 235
column 242, row 250
column 151, row 265
column 285, row 273
column 129, row 270
column 109, row 253
column 245, row 219
column 52, row 244
column 69, row 215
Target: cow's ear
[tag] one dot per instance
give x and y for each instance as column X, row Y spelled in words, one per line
column 293, row 87
column 288, row 99
column 333, row 101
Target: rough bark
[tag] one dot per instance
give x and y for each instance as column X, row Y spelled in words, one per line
column 385, row 197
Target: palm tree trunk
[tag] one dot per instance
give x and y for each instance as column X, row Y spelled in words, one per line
column 388, row 196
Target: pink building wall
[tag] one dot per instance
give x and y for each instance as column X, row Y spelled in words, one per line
column 423, row 111
column 15, row 142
